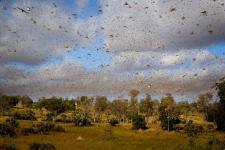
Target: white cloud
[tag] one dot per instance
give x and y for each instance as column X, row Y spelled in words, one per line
column 43, row 32
column 156, row 46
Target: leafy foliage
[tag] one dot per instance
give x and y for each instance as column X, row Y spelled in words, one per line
column 53, row 104
column 220, row 111
column 193, row 130
column 42, row 146
column 119, row 108
column 42, row 128
column 169, row 115
column 146, row 106
column 7, row 102
column 12, row 122
column 138, row 122
column 8, row 146
column 113, row 122
column 81, row 120
column 7, row 130
column 26, row 115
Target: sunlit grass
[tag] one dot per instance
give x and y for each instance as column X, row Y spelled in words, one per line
column 102, row 136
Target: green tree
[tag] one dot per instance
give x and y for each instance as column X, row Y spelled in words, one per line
column 146, row 106
column 138, row 122
column 119, row 109
column 54, row 104
column 169, row 115
column 7, row 102
column 133, row 105
column 26, row 101
column 220, row 110
column 101, row 105
column 184, row 108
column 203, row 103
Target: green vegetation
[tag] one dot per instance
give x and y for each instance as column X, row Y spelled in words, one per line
column 138, row 122
column 40, row 146
column 93, row 122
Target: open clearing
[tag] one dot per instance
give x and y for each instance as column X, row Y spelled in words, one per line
column 105, row 137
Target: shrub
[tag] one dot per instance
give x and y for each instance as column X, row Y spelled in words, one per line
column 8, row 146
column 216, row 144
column 213, row 144
column 58, row 129
column 138, row 122
column 42, row 128
column 27, row 131
column 113, row 122
column 210, row 127
column 41, row 146
column 64, row 118
column 81, row 120
column 193, row 130
column 50, row 116
column 12, row 122
column 193, row 145
column 7, row 130
column 28, row 115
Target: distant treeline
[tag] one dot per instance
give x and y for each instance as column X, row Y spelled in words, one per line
column 100, row 109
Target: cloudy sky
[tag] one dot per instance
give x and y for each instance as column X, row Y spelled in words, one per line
column 108, row 47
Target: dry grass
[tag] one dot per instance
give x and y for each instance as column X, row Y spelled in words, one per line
column 101, row 136
column 108, row 138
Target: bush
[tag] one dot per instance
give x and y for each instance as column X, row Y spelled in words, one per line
column 27, row 131
column 9, row 146
column 12, row 122
column 42, row 128
column 50, row 116
column 64, row 118
column 193, row 130
column 113, row 122
column 7, row 130
column 138, row 122
column 193, row 145
column 58, row 129
column 80, row 120
column 41, row 146
column 213, row 144
column 216, row 144
column 28, row 115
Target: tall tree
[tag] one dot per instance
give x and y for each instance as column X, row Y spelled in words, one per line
column 203, row 103
column 220, row 111
column 7, row 102
column 133, row 106
column 146, row 106
column 119, row 109
column 169, row 115
column 101, row 105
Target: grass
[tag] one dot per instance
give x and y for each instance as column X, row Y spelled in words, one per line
column 108, row 138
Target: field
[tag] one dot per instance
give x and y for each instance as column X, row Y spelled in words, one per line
column 103, row 136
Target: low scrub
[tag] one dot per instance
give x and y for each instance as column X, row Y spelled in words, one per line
column 81, row 120
column 12, row 122
column 42, row 146
column 27, row 115
column 42, row 128
column 64, row 119
column 8, row 128
column 8, row 146
column 138, row 122
column 213, row 144
column 113, row 122
column 192, row 129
